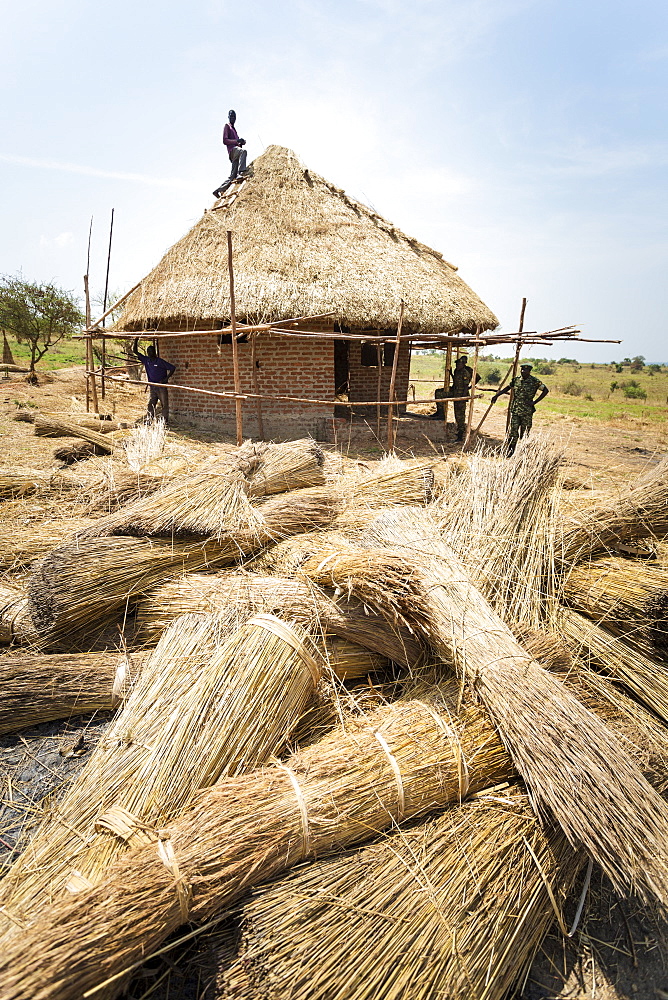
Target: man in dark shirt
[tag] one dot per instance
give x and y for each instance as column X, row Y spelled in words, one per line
column 235, row 151
column 157, row 370
column 522, row 405
column 460, row 385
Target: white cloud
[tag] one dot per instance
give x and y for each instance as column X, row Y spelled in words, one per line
column 77, row 168
column 61, row 240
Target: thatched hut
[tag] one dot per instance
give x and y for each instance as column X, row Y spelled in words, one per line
column 301, row 247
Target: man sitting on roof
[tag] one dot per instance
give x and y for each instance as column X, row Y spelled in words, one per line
column 157, row 370
column 236, row 153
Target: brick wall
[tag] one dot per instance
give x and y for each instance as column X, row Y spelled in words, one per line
column 363, row 381
column 286, row 367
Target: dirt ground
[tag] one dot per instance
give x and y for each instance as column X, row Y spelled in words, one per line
column 620, row 949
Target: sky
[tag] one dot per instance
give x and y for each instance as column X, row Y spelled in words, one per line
column 525, row 140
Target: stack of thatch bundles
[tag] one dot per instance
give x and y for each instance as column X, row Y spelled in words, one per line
column 498, row 516
column 296, row 599
column 80, row 589
column 211, row 701
column 399, row 762
column 572, row 764
column 641, row 511
column 646, row 678
column 455, row 907
column 628, row 598
column 403, row 760
column 41, row 688
column 216, row 497
column 395, row 483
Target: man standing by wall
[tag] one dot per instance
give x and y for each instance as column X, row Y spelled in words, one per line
column 522, row 405
column 235, row 151
column 460, row 383
column 157, row 370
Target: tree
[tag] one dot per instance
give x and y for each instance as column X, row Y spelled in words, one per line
column 39, row 315
column 638, row 363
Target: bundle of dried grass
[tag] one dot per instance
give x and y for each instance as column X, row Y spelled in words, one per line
column 52, row 426
column 215, row 498
column 211, row 701
column 16, row 625
column 40, row 688
column 645, row 677
column 76, row 451
column 455, row 907
column 572, row 764
column 399, row 762
column 22, row 542
column 281, row 467
column 409, row 484
column 22, row 482
column 639, row 511
column 8, row 598
column 145, row 443
column 295, row 600
column 499, row 517
column 58, row 427
column 628, row 598
column 286, row 557
column 79, row 589
column 349, row 660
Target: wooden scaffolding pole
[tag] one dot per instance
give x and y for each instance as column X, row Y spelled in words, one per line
column 379, row 386
column 235, row 346
column 469, row 421
column 91, row 386
column 104, row 305
column 516, row 361
column 254, row 381
column 446, row 386
column 393, row 379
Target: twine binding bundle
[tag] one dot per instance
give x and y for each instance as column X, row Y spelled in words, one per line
column 211, row 701
column 573, row 766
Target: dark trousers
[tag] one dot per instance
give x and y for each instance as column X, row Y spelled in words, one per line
column 158, row 394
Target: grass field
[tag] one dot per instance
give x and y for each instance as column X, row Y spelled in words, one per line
column 63, row 355
column 576, row 390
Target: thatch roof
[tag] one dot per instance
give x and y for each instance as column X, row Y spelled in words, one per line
column 303, row 247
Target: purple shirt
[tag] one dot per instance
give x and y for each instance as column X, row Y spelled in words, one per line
column 157, row 369
column 230, row 138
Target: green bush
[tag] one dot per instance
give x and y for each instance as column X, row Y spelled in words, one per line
column 613, row 386
column 573, row 389
column 544, row 369
column 629, row 383
column 634, row 392
column 494, row 376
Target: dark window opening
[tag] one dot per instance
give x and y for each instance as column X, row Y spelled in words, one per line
column 388, row 355
column 368, row 355
column 226, row 338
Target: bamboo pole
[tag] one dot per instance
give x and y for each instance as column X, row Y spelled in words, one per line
column 90, row 373
column 104, row 305
column 471, row 403
column 516, row 361
column 446, row 386
column 252, row 395
column 235, row 347
column 254, row 380
column 378, row 387
column 393, row 379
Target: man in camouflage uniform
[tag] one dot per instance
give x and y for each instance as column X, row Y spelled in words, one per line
column 460, row 382
column 522, row 404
